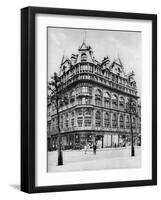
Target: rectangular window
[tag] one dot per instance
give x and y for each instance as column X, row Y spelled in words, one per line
column 66, row 123
column 121, row 125
column 72, row 122
column 87, row 121
column 80, row 121
column 98, row 102
column 107, row 123
column 127, row 125
column 61, row 123
column 98, row 123
column 87, row 100
column 79, row 100
column 114, row 124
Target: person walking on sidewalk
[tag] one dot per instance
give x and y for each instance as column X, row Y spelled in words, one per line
column 85, row 148
column 94, row 148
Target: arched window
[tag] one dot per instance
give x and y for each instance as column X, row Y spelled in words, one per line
column 98, row 119
column 72, row 119
column 114, row 121
column 134, row 122
column 83, row 57
column 114, row 101
column 131, row 103
column 87, row 118
column 80, row 118
column 98, row 97
column 121, row 121
column 106, row 120
column 107, row 100
column 121, row 103
column 127, row 121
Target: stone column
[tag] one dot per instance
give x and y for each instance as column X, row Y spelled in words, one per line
column 102, row 118
column 93, row 118
column 111, row 114
column 102, row 141
column 118, row 120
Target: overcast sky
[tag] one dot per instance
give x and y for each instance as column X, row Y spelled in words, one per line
column 122, row 44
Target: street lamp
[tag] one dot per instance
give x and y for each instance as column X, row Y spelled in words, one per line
column 131, row 109
column 55, row 88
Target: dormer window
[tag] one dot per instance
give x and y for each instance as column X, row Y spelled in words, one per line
column 83, row 57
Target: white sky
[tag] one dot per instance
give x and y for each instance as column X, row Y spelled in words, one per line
column 123, row 44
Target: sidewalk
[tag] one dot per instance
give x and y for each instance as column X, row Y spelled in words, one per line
column 113, row 158
column 103, row 149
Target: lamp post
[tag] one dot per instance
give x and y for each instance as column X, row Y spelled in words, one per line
column 55, row 88
column 131, row 109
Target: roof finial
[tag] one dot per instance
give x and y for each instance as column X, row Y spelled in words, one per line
column 84, row 37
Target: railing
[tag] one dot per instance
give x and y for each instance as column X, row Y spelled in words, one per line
column 99, row 79
column 92, row 128
column 84, row 94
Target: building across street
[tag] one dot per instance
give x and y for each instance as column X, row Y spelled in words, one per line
column 95, row 108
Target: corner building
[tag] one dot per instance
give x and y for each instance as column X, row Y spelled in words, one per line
column 95, row 110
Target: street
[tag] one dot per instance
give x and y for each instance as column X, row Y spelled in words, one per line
column 110, row 158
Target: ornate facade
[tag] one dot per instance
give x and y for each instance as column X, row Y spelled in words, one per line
column 95, row 110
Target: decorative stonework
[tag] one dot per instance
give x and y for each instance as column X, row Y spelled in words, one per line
column 97, row 93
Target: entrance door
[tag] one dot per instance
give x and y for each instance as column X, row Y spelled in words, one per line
column 115, row 140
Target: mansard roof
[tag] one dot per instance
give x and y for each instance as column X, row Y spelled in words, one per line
column 85, row 54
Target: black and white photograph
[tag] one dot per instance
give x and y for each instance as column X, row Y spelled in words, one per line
column 94, row 81
column 89, row 99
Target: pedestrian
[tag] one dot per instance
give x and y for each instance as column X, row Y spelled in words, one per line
column 85, row 148
column 94, row 148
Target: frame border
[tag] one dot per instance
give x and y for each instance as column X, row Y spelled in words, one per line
column 28, row 98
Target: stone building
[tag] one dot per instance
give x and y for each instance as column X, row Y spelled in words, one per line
column 95, row 110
